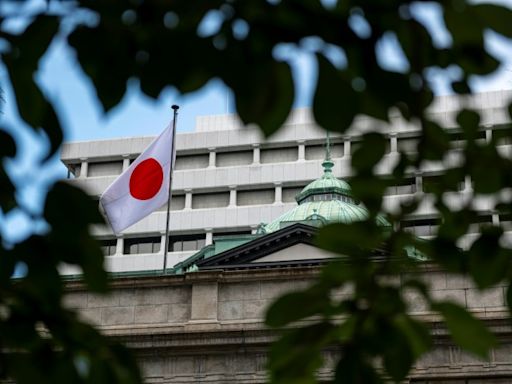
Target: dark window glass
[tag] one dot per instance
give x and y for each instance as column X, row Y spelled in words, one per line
column 108, row 247
column 186, row 243
column 142, row 245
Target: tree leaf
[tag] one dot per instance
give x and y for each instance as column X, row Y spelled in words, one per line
column 353, row 368
column 333, row 86
column 495, row 17
column 21, row 63
column 290, row 307
column 369, row 152
column 266, row 97
column 467, row 331
column 488, row 262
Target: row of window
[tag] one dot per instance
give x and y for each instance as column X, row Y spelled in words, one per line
column 144, row 245
column 419, row 227
column 429, row 227
column 328, row 197
column 279, row 155
column 267, row 196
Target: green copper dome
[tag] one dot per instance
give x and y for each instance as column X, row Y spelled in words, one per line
column 327, row 184
column 323, row 201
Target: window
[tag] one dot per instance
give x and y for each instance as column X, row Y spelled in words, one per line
column 74, row 170
column 232, row 159
column 177, row 203
column 108, row 247
column 506, row 221
column 407, row 144
column 355, row 145
column 216, row 235
column 105, row 168
column 256, row 197
column 502, row 136
column 279, row 155
column 210, row 200
column 421, row 227
column 289, row 193
column 436, row 182
column 402, row 187
column 191, row 162
column 480, row 222
column 186, row 243
column 329, row 197
column 316, row 152
column 457, row 139
column 142, row 245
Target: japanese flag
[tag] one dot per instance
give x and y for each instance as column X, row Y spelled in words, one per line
column 143, row 187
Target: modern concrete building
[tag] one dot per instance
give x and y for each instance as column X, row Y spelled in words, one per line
column 228, row 179
column 207, row 326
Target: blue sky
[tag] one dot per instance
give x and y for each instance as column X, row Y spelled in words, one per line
column 63, row 81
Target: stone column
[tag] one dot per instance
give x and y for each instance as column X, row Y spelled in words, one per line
column 212, row 161
column 393, row 143
column 119, row 245
column 204, row 302
column 495, row 218
column 162, row 242
column 232, row 196
column 302, row 150
column 346, row 146
column 255, row 154
column 488, row 133
column 84, row 166
column 467, row 183
column 126, row 162
column 188, row 199
column 278, row 195
column 419, row 182
column 209, row 236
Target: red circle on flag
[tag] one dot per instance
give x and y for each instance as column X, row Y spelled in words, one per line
column 146, row 179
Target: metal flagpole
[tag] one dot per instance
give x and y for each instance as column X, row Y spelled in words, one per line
column 166, row 243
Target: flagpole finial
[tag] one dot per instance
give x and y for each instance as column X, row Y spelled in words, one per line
column 175, row 107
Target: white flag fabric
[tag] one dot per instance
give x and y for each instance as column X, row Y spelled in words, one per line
column 143, row 187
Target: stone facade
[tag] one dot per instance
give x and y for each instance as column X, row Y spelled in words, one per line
column 207, row 327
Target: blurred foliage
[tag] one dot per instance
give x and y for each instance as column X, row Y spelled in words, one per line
column 185, row 44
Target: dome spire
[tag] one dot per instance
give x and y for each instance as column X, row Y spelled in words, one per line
column 327, row 163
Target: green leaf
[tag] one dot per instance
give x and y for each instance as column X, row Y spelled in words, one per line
column 7, row 145
column 509, row 298
column 290, row 307
column 22, row 63
column 353, row 368
column 296, row 356
column 333, row 87
column 488, row 262
column 70, row 236
column 467, row 331
column 398, row 354
column 417, row 334
column 469, row 121
column 495, row 17
column 456, row 20
column 349, row 239
column 266, row 97
column 7, row 192
column 434, row 142
column 369, row 152
column 85, row 209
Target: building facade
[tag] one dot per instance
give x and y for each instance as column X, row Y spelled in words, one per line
column 203, row 322
column 229, row 180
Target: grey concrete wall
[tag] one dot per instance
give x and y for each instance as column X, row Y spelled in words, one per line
column 208, row 326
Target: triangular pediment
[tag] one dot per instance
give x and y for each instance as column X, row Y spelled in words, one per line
column 296, row 252
column 292, row 245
